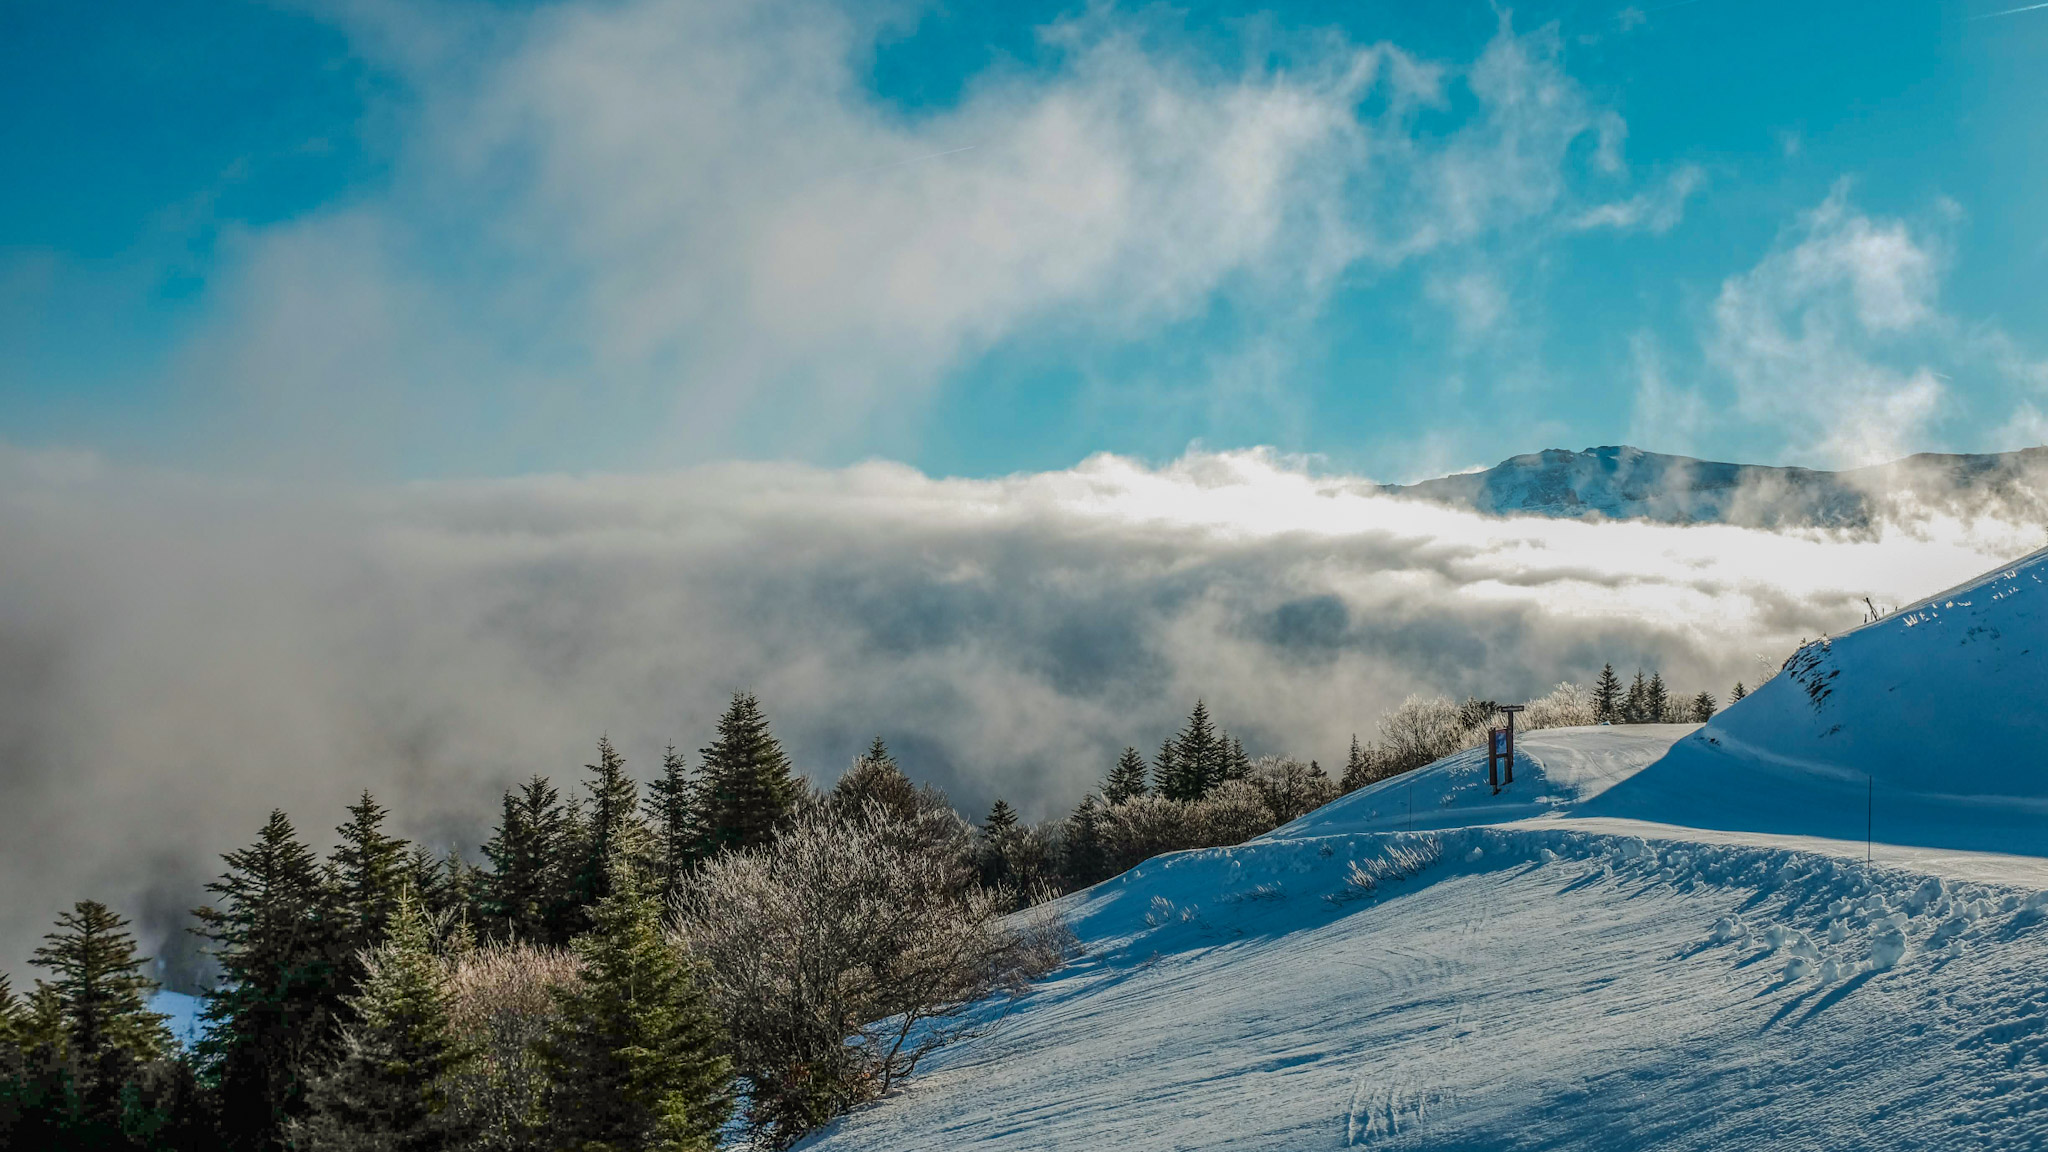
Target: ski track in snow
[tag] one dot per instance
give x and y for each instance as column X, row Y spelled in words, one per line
column 1662, row 936
column 1511, row 1002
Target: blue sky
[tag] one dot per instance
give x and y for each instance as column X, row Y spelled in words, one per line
column 400, row 241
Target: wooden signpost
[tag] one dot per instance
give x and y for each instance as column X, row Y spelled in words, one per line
column 1500, row 751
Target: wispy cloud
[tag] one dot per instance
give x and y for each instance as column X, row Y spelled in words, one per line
column 690, row 227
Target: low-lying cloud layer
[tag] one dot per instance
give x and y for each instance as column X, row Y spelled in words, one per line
column 177, row 657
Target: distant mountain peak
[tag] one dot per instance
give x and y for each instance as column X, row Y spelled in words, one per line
column 1623, row 482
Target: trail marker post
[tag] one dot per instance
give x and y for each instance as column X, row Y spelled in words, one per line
column 1500, row 751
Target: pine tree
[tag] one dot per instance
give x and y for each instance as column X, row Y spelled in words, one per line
column 1656, row 702
column 991, row 849
column 388, row 1092
column 268, row 1020
column 1237, row 765
column 1166, row 767
column 614, row 832
column 14, row 1019
column 102, row 998
column 1082, row 858
column 436, row 882
column 1738, row 693
column 670, row 802
column 1703, row 707
column 875, row 779
column 632, row 1056
column 748, row 794
column 1358, row 767
column 1200, row 756
column 39, row 1099
column 1635, row 705
column 368, row 874
column 1126, row 780
column 525, row 894
column 1607, row 696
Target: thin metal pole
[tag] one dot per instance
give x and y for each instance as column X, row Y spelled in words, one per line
column 1869, row 813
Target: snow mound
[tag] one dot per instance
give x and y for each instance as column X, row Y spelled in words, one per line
column 1556, row 771
column 1925, row 728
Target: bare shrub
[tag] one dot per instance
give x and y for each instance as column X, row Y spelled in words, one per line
column 1291, row 788
column 840, row 956
column 501, row 1004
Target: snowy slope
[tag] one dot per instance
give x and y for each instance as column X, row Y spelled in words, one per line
column 1504, row 999
column 1931, row 724
column 1658, row 937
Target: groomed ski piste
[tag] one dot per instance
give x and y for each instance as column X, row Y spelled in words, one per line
column 1659, row 937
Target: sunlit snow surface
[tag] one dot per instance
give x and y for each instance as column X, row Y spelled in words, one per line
column 1656, row 938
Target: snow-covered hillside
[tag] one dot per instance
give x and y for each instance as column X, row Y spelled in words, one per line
column 1656, row 938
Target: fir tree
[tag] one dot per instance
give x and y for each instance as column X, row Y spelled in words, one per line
column 368, row 875
column 1703, row 707
column 875, row 779
column 1082, row 858
column 1126, row 780
column 439, row 883
column 1738, row 693
column 1166, row 767
column 1656, row 701
column 1358, row 767
column 39, row 1100
column 1200, row 756
column 14, row 1020
column 268, row 1019
column 632, row 1056
column 388, row 1092
column 748, row 794
column 670, row 803
column 1237, row 765
column 614, row 831
column 1635, row 705
column 525, row 894
column 102, row 999
column 991, row 850
column 1607, row 696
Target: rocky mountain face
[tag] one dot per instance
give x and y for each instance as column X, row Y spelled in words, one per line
column 1620, row 482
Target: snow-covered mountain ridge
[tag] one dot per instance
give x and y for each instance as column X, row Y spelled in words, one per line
column 1657, row 937
column 1621, row 482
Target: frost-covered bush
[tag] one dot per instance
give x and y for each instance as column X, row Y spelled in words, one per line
column 1145, row 826
column 840, row 955
column 1566, row 706
column 501, row 1003
column 1232, row 813
column 1426, row 728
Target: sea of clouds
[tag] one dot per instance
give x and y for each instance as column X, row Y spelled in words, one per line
column 179, row 656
